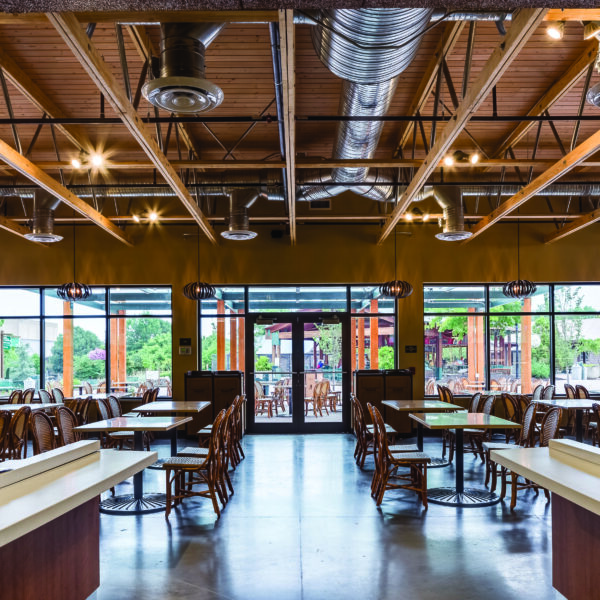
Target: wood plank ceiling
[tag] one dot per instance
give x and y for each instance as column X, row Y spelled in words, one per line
column 44, row 76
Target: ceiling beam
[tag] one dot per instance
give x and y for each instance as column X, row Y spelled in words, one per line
column 32, row 172
column 288, row 71
column 145, row 48
column 556, row 171
column 522, row 27
column 552, row 95
column 75, row 134
column 573, row 14
column 84, row 50
column 443, row 49
column 577, row 225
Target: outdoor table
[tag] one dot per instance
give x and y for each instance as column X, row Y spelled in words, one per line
column 424, row 406
column 578, row 405
column 458, row 495
column 165, row 407
column 138, row 502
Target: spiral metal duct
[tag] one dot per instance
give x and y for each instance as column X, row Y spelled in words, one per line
column 368, row 48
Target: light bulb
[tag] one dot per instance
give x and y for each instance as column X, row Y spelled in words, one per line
column 136, row 218
column 97, row 160
column 556, row 30
column 76, row 163
column 474, row 158
column 448, row 161
column 408, row 216
column 153, row 216
column 425, row 217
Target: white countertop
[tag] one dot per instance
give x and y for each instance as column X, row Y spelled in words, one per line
column 37, row 500
column 569, row 469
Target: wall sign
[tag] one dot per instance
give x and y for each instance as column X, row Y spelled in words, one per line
column 410, row 349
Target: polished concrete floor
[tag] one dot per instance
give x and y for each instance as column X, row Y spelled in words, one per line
column 302, row 524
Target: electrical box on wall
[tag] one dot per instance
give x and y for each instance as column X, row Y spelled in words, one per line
column 185, row 346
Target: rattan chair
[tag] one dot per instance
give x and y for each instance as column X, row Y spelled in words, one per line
column 262, row 404
column 537, row 392
column 5, row 418
column 387, row 465
column 58, row 395
column 570, row 391
column 16, row 441
column 549, row 431
column 45, row 397
column 548, row 392
column 28, row 396
column 66, row 421
column 16, row 397
column 43, row 432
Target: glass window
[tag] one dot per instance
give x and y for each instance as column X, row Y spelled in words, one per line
column 577, row 298
column 368, row 299
column 140, row 301
column 227, row 300
column 455, row 353
column 223, row 344
column 539, row 302
column 296, row 299
column 372, row 340
column 76, row 355
column 19, row 354
column 443, row 299
column 18, row 302
column 93, row 306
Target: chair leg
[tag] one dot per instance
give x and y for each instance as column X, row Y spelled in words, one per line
column 513, row 492
column 503, row 476
column 168, row 495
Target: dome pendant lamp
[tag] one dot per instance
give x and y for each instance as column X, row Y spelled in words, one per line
column 71, row 292
column 519, row 288
column 396, row 288
column 199, row 290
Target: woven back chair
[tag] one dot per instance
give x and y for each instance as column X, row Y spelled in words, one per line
column 581, row 392
column 66, row 421
column 5, row 418
column 474, row 403
column 103, row 409
column 43, row 432
column 527, row 437
column 548, row 392
column 537, row 392
column 154, row 395
column 550, row 426
column 58, row 395
column 17, row 433
column 45, row 397
column 87, row 387
column 83, row 410
column 570, row 391
column 596, row 417
column 115, row 406
column 28, row 396
column 364, row 439
column 16, row 397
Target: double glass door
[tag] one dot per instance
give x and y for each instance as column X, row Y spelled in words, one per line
column 296, row 375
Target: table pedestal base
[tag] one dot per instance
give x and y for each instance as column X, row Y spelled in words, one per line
column 438, row 462
column 157, row 466
column 467, row 498
column 129, row 505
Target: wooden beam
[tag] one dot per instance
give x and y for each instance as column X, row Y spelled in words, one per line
column 556, row 171
column 573, row 227
column 84, row 50
column 554, row 93
column 573, row 14
column 153, row 17
column 288, row 56
column 39, row 177
column 75, row 134
column 444, row 48
column 523, row 26
column 145, row 48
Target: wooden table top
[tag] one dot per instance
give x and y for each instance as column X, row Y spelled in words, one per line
column 135, row 424
column 165, row 406
column 35, row 406
column 577, row 403
column 421, row 405
column 462, row 420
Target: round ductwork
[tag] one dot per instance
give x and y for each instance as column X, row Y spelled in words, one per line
column 593, row 95
column 453, row 236
column 42, row 224
column 238, row 228
column 183, row 94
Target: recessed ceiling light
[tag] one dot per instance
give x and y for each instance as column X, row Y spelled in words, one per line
column 556, row 30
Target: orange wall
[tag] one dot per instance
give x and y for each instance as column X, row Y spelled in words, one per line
column 324, row 254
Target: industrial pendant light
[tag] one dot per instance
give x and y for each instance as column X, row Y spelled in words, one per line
column 519, row 288
column 396, row 288
column 199, row 290
column 71, row 292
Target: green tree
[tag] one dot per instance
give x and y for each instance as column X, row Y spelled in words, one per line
column 148, row 345
column 263, row 364
column 386, row 357
column 19, row 364
column 84, row 341
column 330, row 342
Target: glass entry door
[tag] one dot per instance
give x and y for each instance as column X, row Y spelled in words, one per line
column 297, row 381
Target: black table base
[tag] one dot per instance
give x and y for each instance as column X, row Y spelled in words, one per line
column 467, row 498
column 130, row 505
column 438, row 462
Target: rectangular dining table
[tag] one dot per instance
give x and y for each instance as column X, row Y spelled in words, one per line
column 32, row 406
column 459, row 495
column 579, row 405
column 423, row 406
column 138, row 502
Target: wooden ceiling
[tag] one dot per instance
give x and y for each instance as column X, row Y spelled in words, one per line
column 51, row 67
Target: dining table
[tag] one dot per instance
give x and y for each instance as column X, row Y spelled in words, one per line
column 458, row 495
column 424, row 406
column 139, row 502
column 579, row 405
column 33, row 406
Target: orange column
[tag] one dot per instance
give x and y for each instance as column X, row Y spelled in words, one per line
column 374, row 332
column 122, row 349
column 67, row 350
column 232, row 344
column 471, row 355
column 241, row 345
column 220, row 336
column 526, row 387
column 480, row 348
column 361, row 343
column 353, row 345
column 114, row 350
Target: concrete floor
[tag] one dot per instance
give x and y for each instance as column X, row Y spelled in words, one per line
column 302, row 524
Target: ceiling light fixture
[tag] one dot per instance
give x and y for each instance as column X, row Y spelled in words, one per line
column 136, row 218
column 396, row 288
column 73, row 291
column 199, row 290
column 448, row 161
column 556, row 30
column 519, row 288
column 591, row 29
column 474, row 158
column 97, row 160
column 76, row 163
column 153, row 216
column 425, row 217
column 408, row 216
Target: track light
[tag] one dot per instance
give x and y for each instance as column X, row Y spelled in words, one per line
column 556, row 30
column 448, row 161
column 591, row 29
column 153, row 216
column 136, row 218
column 76, row 163
column 408, row 216
column 97, row 160
column 425, row 217
column 474, row 158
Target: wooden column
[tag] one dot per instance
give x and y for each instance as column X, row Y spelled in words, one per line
column 352, row 345
column 361, row 343
column 113, row 350
column 374, row 333
column 471, row 354
column 480, row 348
column 242, row 342
column 220, row 336
column 122, row 348
column 526, row 387
column 232, row 344
column 67, row 350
